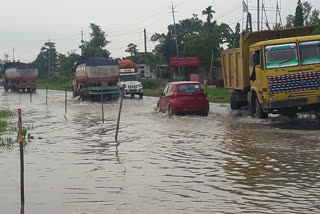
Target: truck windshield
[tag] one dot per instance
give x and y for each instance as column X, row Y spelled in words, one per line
column 279, row 56
column 310, row 52
column 126, row 78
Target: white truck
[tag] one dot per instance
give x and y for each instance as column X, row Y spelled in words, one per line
column 131, row 81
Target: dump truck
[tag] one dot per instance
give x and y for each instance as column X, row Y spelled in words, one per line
column 275, row 71
column 96, row 77
column 19, row 77
column 130, row 78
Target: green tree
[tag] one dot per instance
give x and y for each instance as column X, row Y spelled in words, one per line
column 315, row 17
column 306, row 10
column 66, row 62
column 209, row 13
column 95, row 47
column 132, row 49
column 42, row 61
column 298, row 19
column 290, row 20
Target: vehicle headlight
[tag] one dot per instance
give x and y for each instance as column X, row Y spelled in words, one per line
column 272, row 97
column 140, row 85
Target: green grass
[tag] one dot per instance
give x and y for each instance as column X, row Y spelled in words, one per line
column 152, row 92
column 55, row 83
column 218, row 95
column 215, row 95
column 3, row 115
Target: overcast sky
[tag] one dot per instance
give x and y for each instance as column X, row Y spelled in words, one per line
column 26, row 25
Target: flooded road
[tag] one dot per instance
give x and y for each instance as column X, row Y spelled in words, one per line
column 185, row 164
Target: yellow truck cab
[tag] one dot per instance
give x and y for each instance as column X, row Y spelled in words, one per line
column 278, row 75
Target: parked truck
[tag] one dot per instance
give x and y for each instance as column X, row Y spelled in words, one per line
column 19, row 77
column 276, row 71
column 94, row 77
column 130, row 78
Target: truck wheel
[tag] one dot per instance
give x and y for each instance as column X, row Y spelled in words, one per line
column 252, row 105
column 6, row 88
column 259, row 110
column 141, row 95
column 234, row 105
column 132, row 95
column 170, row 112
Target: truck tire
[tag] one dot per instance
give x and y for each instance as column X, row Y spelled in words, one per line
column 261, row 114
column 252, row 104
column 141, row 95
column 234, row 105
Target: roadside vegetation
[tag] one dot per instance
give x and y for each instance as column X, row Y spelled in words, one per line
column 4, row 115
column 153, row 88
column 55, row 83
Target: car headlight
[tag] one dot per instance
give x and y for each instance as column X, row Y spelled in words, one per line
column 140, row 85
column 272, row 97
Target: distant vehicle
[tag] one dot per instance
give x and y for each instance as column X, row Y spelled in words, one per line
column 130, row 78
column 184, row 97
column 94, row 77
column 19, row 77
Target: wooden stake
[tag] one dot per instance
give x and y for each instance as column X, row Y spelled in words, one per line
column 47, row 94
column 121, row 100
column 65, row 103
column 102, row 111
column 21, row 158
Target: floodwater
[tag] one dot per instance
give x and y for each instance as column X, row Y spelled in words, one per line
column 185, row 164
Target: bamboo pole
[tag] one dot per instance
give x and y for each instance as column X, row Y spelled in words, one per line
column 119, row 115
column 21, row 159
column 102, row 111
column 47, row 94
column 65, row 103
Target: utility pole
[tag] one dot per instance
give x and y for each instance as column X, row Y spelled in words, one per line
column 82, row 41
column 13, row 54
column 258, row 15
column 262, row 15
column 49, row 61
column 145, row 48
column 175, row 34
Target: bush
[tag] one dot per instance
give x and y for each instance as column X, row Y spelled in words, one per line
column 150, row 84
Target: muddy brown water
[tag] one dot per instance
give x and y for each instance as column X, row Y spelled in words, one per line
column 185, row 164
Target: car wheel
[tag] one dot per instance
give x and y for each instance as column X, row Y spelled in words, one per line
column 141, row 95
column 205, row 113
column 170, row 112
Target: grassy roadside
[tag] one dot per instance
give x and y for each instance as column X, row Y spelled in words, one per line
column 151, row 88
column 215, row 95
column 55, row 83
column 4, row 114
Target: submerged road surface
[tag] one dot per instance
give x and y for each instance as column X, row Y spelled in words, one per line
column 185, row 164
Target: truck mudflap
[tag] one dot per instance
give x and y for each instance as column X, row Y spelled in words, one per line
column 294, row 102
column 105, row 90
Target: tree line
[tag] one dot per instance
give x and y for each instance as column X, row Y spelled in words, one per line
column 194, row 37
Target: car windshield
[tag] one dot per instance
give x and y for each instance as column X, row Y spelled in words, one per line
column 310, row 52
column 279, row 56
column 125, row 78
column 189, row 88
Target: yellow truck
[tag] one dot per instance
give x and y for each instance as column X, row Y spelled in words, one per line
column 276, row 71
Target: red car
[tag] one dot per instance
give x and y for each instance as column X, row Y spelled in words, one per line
column 184, row 97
